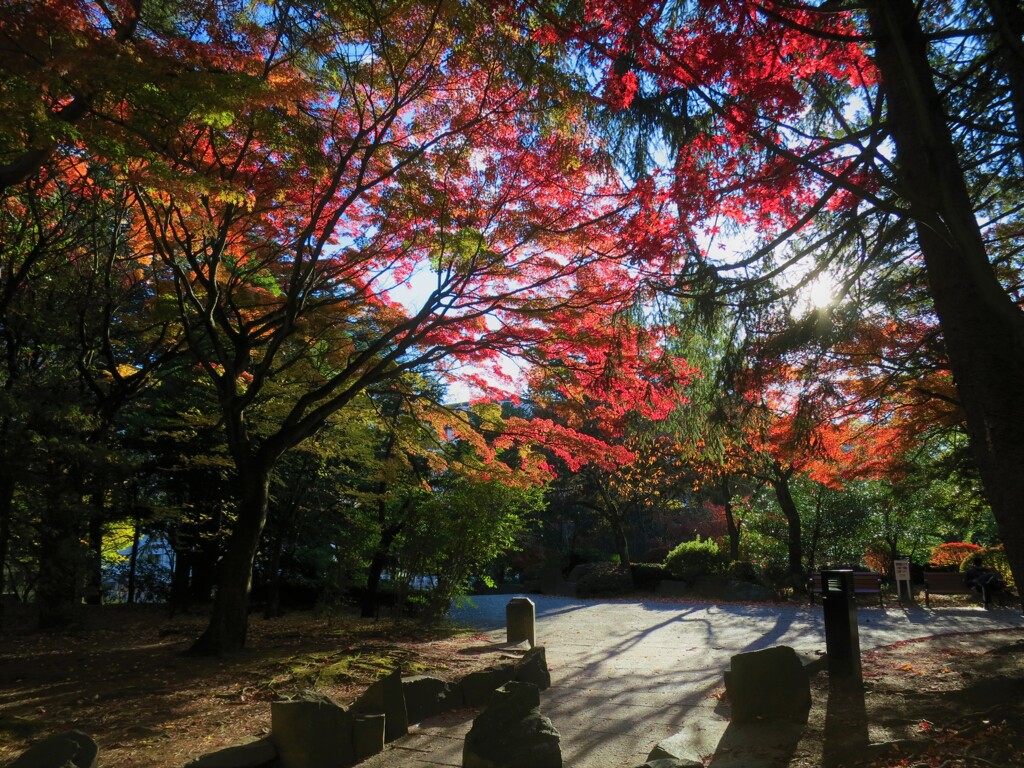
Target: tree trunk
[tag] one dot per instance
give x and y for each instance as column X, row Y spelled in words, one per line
column 6, row 512
column 730, row 521
column 621, row 542
column 1008, row 19
column 230, row 614
column 272, row 609
column 203, row 577
column 613, row 516
column 61, row 558
column 894, row 554
column 891, row 537
column 368, row 605
column 94, row 559
column 780, row 482
column 179, row 599
column 133, row 562
column 812, row 548
column 982, row 327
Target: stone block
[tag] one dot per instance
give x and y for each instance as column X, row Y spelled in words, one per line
column 311, row 731
column 367, row 735
column 255, row 754
column 72, row 749
column 699, row 736
column 512, row 733
column 771, row 684
column 385, row 697
column 427, row 696
column 533, row 668
column 521, row 621
column 476, row 688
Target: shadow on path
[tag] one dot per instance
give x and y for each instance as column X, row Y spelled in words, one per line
column 783, row 623
column 846, row 723
column 757, row 744
column 773, row 743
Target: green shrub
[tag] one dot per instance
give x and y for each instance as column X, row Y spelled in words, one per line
column 606, row 579
column 647, row 575
column 776, row 575
column 691, row 559
column 742, row 570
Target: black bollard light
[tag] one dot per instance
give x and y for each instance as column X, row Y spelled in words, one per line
column 842, row 641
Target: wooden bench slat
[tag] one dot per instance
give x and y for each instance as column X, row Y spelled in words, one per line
column 864, row 583
column 944, row 583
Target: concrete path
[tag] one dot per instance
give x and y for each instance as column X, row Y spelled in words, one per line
column 626, row 674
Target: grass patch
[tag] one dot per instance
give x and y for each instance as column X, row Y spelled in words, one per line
column 362, row 664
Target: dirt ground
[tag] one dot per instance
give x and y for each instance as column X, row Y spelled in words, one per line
column 954, row 701
column 123, row 678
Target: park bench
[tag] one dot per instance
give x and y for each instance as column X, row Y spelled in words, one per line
column 864, row 583
column 946, row 583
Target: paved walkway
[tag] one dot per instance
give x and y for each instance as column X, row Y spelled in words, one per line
column 626, row 674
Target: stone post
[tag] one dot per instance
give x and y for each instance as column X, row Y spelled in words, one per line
column 521, row 621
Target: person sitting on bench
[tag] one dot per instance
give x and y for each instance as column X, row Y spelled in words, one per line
column 983, row 580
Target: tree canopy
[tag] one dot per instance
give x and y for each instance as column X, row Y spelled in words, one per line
column 249, row 251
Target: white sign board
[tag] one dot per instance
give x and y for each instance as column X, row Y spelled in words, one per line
column 901, row 570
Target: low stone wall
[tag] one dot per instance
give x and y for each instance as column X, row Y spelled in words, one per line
column 312, row 731
column 768, row 690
